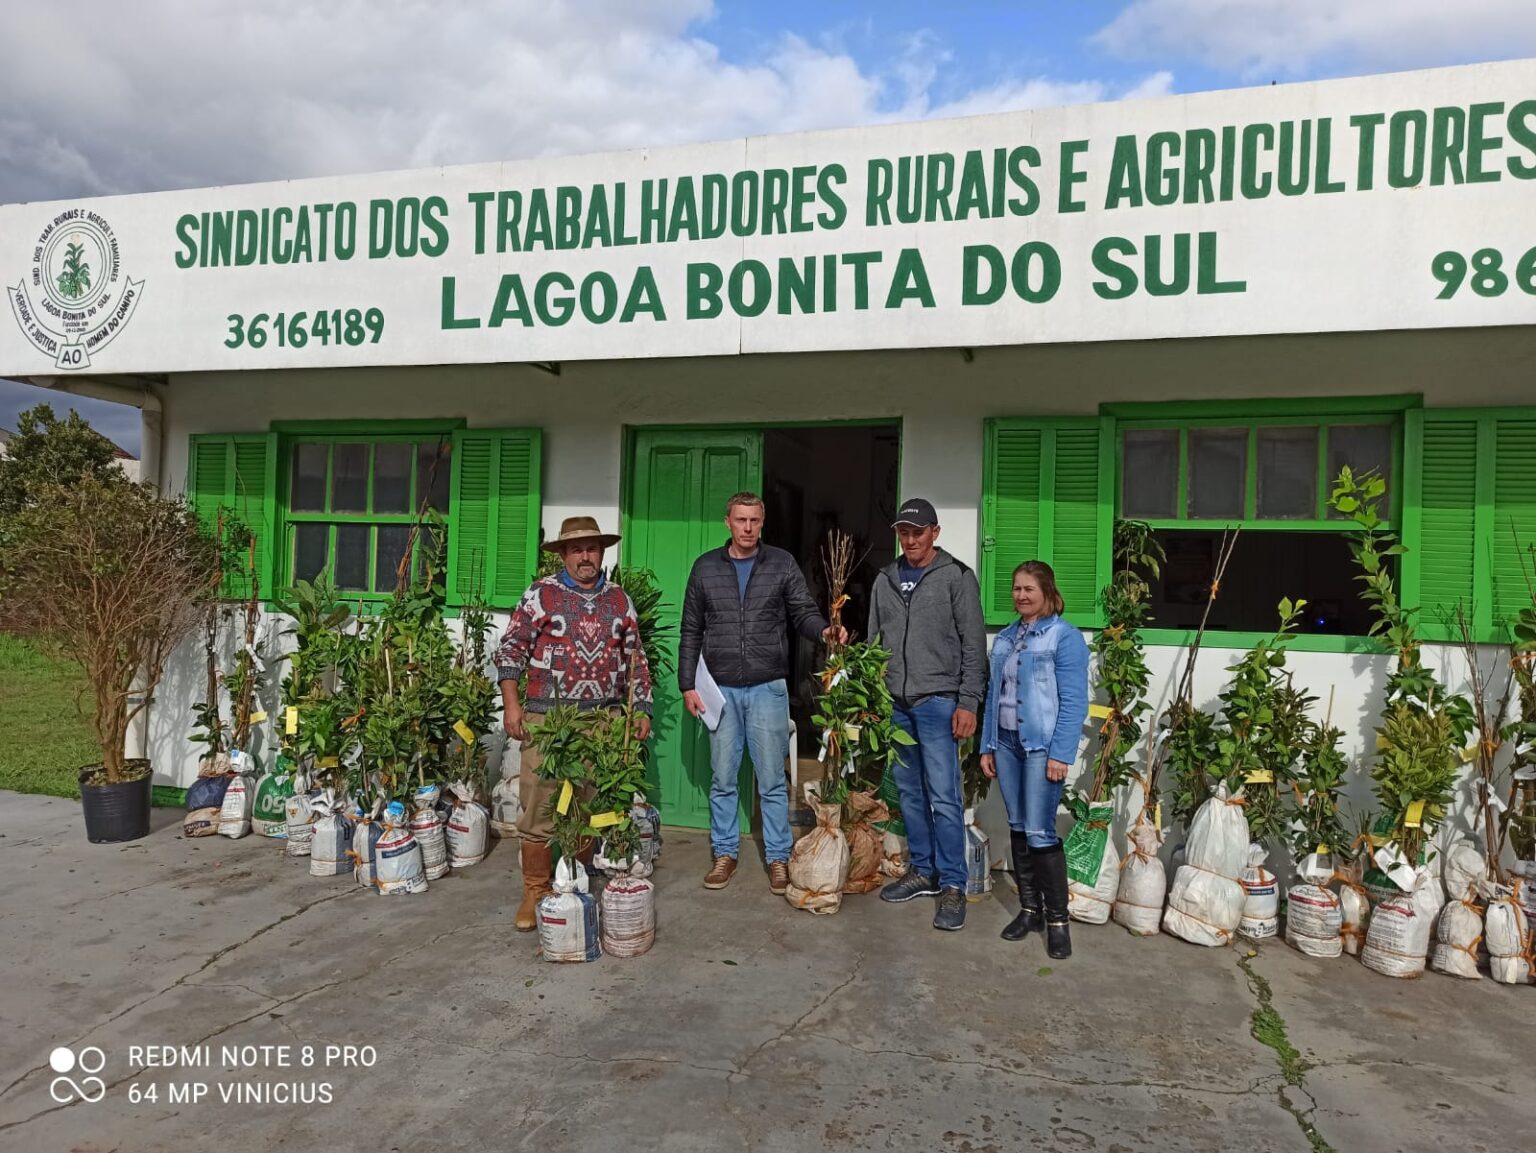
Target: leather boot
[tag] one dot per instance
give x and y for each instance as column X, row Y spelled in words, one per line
column 537, row 870
column 1031, row 918
column 1051, row 874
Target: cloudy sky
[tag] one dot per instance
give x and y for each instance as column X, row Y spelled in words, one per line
column 99, row 97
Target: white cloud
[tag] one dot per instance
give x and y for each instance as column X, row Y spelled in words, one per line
column 155, row 94
column 1265, row 39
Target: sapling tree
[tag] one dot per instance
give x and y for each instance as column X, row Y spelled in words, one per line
column 1317, row 824
column 1123, row 676
column 1518, row 822
column 859, row 738
column 1424, row 725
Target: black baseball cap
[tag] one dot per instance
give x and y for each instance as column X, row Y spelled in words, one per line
column 916, row 512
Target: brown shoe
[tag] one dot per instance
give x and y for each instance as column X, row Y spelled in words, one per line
column 536, row 873
column 719, row 875
column 778, row 877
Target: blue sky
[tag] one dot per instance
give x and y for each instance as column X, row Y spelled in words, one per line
column 295, row 88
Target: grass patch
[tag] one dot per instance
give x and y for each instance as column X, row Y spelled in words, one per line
column 43, row 739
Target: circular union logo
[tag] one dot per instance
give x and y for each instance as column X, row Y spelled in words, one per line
column 76, row 298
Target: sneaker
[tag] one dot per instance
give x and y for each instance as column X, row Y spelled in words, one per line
column 951, row 914
column 719, row 875
column 914, row 884
column 778, row 877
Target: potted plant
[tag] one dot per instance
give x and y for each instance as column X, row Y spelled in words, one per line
column 114, row 577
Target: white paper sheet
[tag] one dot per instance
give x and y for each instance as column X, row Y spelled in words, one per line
column 710, row 694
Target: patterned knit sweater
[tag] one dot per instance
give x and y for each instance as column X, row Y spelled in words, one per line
column 575, row 645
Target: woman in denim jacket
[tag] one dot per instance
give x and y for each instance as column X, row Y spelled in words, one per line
column 1036, row 705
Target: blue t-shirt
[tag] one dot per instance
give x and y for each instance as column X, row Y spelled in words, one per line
column 743, row 572
column 911, row 576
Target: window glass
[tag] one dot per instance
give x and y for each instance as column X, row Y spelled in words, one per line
column 308, row 487
column 1287, row 459
column 392, row 477
column 349, row 478
column 1150, row 465
column 390, row 544
column 1363, row 447
column 352, row 556
column 1218, row 471
column 311, row 542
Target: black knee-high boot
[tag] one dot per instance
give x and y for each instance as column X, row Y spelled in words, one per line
column 1051, row 874
column 1031, row 918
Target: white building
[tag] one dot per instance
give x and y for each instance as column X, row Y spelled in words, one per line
column 1189, row 310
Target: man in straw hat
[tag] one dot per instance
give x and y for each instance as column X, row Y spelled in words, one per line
column 572, row 640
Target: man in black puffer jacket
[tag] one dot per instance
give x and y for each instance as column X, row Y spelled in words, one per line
column 741, row 602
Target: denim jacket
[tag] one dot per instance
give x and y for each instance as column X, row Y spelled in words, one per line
column 1053, row 687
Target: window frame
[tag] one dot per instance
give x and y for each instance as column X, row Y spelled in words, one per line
column 292, row 434
column 1249, row 519
column 1393, row 409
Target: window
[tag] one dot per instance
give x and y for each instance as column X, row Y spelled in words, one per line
column 1193, row 478
column 329, row 496
column 1461, row 493
column 352, row 503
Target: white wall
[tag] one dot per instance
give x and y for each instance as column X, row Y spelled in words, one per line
column 941, row 397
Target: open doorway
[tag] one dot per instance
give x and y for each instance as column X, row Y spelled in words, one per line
column 815, row 479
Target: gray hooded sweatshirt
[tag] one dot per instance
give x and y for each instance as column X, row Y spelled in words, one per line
column 938, row 641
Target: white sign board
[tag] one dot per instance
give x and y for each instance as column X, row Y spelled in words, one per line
column 1386, row 202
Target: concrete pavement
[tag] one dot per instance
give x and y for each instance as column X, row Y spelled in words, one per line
column 750, row 1026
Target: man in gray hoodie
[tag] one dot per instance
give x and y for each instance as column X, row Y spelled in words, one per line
column 926, row 608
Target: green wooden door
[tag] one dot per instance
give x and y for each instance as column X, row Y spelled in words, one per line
column 678, row 484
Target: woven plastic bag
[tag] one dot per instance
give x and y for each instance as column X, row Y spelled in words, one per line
column 1093, row 863
column 331, row 842
column 978, row 859
column 1314, row 914
column 627, row 907
column 1206, row 901
column 397, row 864
column 1261, row 897
column 467, row 829
column 1397, row 941
column 427, row 826
column 1507, row 931
column 1458, row 933
column 818, row 864
column 568, row 917
column 1143, row 881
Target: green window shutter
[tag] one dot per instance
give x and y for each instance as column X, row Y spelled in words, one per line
column 493, row 530
column 1470, row 518
column 1048, row 495
column 1513, row 468
column 237, row 473
column 1440, row 525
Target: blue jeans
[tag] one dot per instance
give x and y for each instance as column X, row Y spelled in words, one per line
column 755, row 718
column 1030, row 797
column 928, row 783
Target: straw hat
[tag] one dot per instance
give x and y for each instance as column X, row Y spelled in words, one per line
column 574, row 528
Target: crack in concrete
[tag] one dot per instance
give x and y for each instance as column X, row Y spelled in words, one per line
column 858, row 965
column 1028, row 1074
column 1293, row 1068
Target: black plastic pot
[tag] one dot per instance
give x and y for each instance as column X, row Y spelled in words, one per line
column 115, row 812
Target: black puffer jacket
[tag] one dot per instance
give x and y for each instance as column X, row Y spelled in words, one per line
column 745, row 641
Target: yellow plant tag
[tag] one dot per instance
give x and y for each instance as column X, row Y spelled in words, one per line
column 1468, row 754
column 1322, row 849
column 1157, row 816
column 1381, row 741
column 328, row 763
column 291, row 719
column 258, row 717
column 1260, row 777
column 1101, row 712
column 603, row 820
column 1414, row 817
column 466, row 734
column 565, row 799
